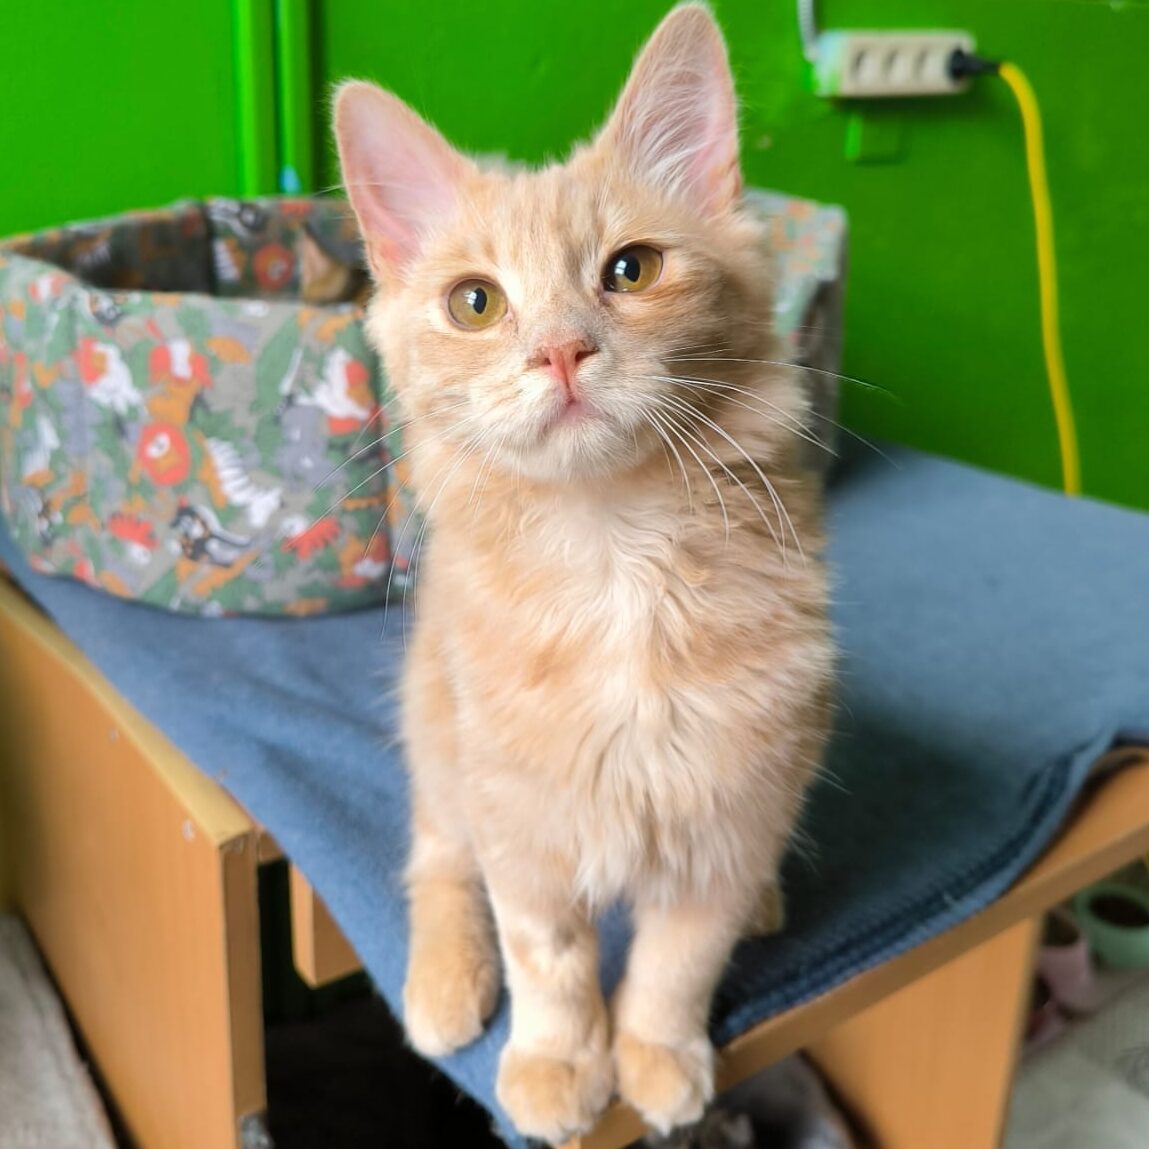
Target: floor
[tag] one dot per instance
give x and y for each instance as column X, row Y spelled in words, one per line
column 1090, row 1088
column 47, row 1099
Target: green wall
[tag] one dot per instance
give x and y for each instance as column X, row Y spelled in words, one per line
column 942, row 300
column 113, row 106
column 108, row 107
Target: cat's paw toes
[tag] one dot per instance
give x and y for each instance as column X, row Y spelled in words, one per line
column 448, row 998
column 669, row 1085
column 553, row 1098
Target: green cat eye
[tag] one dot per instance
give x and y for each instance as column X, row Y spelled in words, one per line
column 634, row 268
column 476, row 303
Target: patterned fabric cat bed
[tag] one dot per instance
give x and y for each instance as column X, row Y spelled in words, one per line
column 992, row 640
column 174, row 411
column 179, row 426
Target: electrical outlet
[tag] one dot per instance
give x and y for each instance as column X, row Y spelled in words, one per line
column 866, row 65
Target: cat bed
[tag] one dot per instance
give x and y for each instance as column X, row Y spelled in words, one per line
column 180, row 426
column 174, row 410
column 993, row 648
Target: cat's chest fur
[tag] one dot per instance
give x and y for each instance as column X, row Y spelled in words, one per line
column 589, row 598
column 593, row 660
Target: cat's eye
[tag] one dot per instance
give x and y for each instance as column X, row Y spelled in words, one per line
column 476, row 303
column 634, row 268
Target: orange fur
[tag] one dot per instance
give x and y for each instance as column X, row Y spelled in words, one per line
column 619, row 685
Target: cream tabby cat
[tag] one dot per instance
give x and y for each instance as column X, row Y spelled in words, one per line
column 618, row 683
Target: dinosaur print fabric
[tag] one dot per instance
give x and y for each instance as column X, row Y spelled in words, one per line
column 176, row 427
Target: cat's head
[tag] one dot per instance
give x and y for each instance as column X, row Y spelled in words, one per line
column 539, row 316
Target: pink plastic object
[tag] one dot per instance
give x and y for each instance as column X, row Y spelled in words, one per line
column 1065, row 963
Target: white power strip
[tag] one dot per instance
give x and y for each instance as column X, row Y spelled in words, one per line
column 866, row 65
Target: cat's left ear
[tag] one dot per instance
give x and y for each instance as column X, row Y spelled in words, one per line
column 676, row 123
column 401, row 176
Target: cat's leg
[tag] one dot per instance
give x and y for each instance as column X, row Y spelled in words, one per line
column 663, row 1057
column 555, row 1073
column 453, row 966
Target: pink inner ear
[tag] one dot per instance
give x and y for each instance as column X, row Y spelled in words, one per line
column 402, row 177
column 676, row 121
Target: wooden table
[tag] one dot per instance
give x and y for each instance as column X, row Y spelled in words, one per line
column 137, row 875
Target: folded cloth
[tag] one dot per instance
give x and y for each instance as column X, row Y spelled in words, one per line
column 993, row 645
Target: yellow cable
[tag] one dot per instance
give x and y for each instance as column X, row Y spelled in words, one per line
column 1047, row 275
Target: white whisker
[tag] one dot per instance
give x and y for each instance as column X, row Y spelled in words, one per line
column 667, row 447
column 394, row 428
column 775, row 497
column 791, row 423
column 733, row 478
column 779, row 506
column 385, row 467
column 781, row 363
column 680, row 433
column 861, row 439
column 484, row 473
column 378, row 526
column 417, row 549
column 397, row 544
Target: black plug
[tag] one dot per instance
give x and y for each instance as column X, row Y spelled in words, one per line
column 963, row 64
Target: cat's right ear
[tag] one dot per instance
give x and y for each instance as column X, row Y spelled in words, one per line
column 676, row 122
column 400, row 174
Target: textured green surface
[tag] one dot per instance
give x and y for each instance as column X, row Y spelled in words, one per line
column 296, row 119
column 195, row 451
column 111, row 107
column 253, row 31
column 942, row 301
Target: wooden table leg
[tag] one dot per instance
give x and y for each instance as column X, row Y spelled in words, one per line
column 931, row 1066
column 137, row 875
column 322, row 954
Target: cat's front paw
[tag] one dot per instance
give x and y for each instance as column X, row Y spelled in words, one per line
column 554, row 1098
column 448, row 997
column 669, row 1085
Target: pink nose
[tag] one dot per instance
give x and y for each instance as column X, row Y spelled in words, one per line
column 562, row 360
